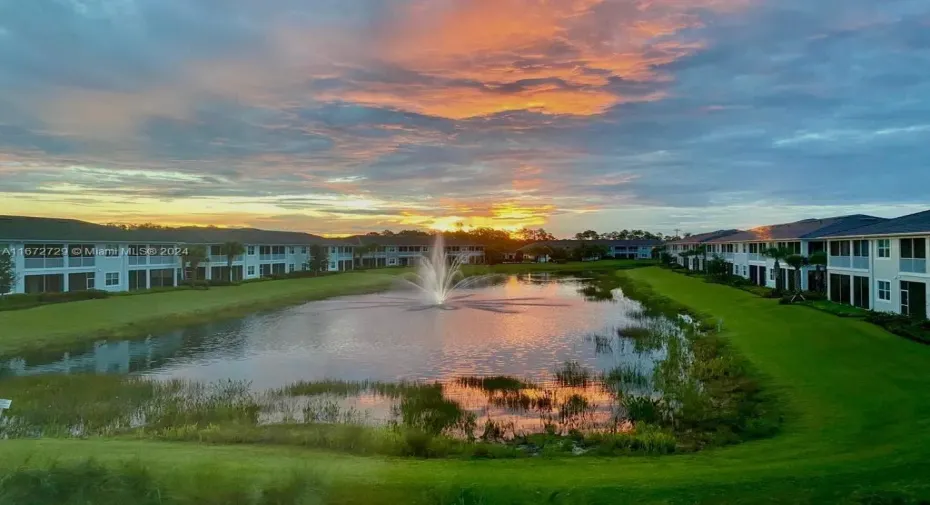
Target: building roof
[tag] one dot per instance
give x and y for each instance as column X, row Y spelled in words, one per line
column 20, row 228
column 910, row 224
column 797, row 230
column 570, row 244
column 404, row 240
column 700, row 238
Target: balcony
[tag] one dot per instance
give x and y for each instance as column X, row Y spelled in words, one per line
column 268, row 257
column 860, row 262
column 756, row 257
column 81, row 261
column 914, row 265
column 34, row 263
column 138, row 260
column 839, row 261
column 163, row 260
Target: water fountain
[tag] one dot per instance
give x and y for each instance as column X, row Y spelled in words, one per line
column 439, row 274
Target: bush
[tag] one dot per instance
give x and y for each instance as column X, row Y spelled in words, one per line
column 72, row 296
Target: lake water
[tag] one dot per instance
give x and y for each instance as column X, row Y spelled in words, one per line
column 377, row 337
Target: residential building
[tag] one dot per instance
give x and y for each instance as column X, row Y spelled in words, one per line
column 58, row 255
column 881, row 266
column 744, row 251
column 677, row 248
column 406, row 250
column 619, row 249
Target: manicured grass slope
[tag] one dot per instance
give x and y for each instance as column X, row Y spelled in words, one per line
column 857, row 398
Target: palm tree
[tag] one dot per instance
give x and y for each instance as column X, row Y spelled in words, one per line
column 777, row 254
column 819, row 259
column 193, row 255
column 365, row 250
column 231, row 250
column 797, row 262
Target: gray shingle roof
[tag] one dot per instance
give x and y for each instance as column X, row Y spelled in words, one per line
column 20, row 228
column 403, row 240
column 701, row 238
column 798, row 230
column 918, row 223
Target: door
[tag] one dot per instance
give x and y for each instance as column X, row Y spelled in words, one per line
column 754, row 274
column 914, row 299
column 861, row 297
column 762, row 276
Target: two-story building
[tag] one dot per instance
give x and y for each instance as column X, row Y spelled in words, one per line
column 881, row 266
column 745, row 250
column 374, row 251
column 680, row 248
column 56, row 255
column 618, row 249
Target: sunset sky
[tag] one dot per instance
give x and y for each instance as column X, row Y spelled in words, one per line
column 344, row 116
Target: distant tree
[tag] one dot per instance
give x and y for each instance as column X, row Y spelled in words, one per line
column 412, row 233
column 778, row 254
column 587, row 235
column 818, row 259
column 372, row 234
column 193, row 256
column 364, row 250
column 387, row 233
column 718, row 268
column 319, row 259
column 587, row 251
column 231, row 250
column 797, row 262
column 537, row 235
column 559, row 254
column 7, row 271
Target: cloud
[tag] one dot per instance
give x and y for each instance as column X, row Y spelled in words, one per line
column 335, row 116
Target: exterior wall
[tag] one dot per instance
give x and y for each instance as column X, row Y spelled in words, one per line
column 882, row 269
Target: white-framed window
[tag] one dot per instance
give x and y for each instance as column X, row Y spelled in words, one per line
column 251, row 270
column 303, row 250
column 744, row 266
column 251, row 250
column 884, row 247
column 332, row 250
column 884, row 290
column 771, row 274
column 111, row 251
column 392, row 261
column 290, row 268
column 111, row 279
column 332, row 265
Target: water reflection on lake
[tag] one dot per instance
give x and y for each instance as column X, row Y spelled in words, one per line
column 338, row 339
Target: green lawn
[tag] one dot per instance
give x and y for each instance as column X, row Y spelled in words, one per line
column 857, row 431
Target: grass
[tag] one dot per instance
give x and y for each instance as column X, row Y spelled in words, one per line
column 856, row 431
column 837, row 309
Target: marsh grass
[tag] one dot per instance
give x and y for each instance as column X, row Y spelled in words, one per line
column 495, row 383
column 573, row 374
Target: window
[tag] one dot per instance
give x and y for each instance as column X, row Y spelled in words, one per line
column 744, row 270
column 772, row 274
column 744, row 248
column 112, row 279
column 884, row 248
column 840, row 248
column 290, row 268
column 303, row 250
column 913, row 248
column 792, row 247
column 861, row 248
column 332, row 250
column 251, row 270
column 292, row 250
column 251, row 251
column 332, row 265
column 112, row 251
column 884, row 290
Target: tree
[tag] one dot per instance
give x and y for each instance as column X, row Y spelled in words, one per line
column 7, row 271
column 537, row 235
column 319, row 259
column 797, row 262
column 587, row 235
column 818, row 259
column 537, row 250
column 777, row 254
column 360, row 251
column 718, row 268
column 193, row 255
column 231, row 250
column 585, row 251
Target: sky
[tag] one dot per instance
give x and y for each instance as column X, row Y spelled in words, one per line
column 346, row 116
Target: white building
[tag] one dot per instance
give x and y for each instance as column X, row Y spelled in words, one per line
column 882, row 266
column 744, row 250
column 678, row 248
column 617, row 249
column 58, row 255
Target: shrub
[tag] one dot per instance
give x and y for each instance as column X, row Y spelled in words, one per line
column 72, row 296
